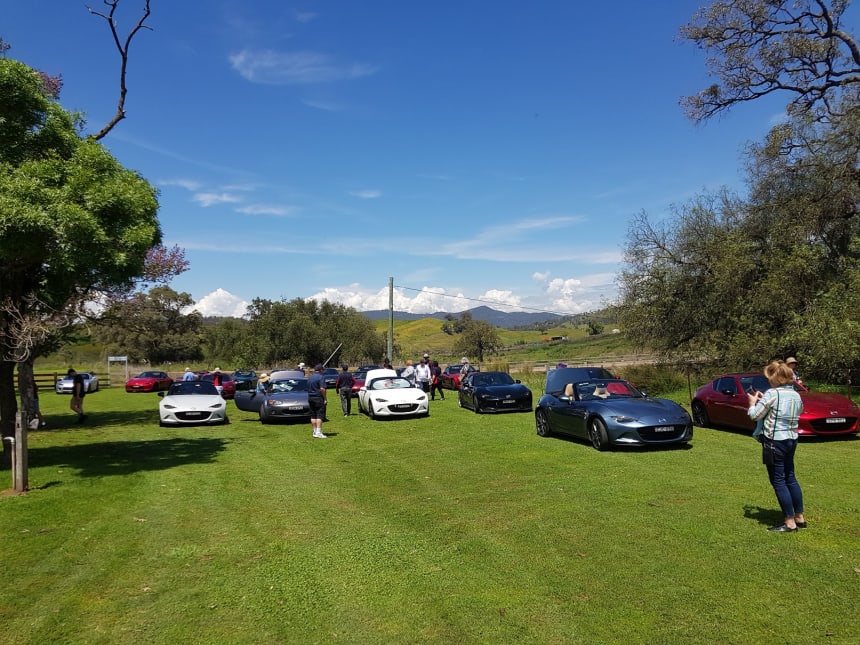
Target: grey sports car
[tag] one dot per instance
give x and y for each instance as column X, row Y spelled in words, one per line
column 608, row 411
column 283, row 398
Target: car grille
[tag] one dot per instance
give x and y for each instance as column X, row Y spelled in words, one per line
column 651, row 433
column 820, row 426
column 193, row 415
column 506, row 404
column 403, row 408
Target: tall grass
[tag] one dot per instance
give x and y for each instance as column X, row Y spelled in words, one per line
column 458, row 528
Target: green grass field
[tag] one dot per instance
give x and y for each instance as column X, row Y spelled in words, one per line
column 457, row 528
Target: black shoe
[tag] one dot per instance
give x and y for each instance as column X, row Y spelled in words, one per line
column 782, row 528
column 801, row 525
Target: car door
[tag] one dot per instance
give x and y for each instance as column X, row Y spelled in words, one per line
column 567, row 415
column 729, row 404
column 249, row 400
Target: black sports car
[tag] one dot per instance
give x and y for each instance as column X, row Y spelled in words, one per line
column 584, row 403
column 493, row 392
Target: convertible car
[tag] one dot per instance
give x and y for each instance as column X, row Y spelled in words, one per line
column 190, row 403
column 285, row 398
column 91, row 383
column 582, row 402
column 150, row 381
column 384, row 394
column 723, row 403
column 493, row 392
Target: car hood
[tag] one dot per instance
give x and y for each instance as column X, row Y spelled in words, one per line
column 193, row 400
column 514, row 389
column 646, row 410
column 827, row 404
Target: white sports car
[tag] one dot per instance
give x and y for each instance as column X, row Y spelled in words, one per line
column 191, row 402
column 384, row 394
column 65, row 384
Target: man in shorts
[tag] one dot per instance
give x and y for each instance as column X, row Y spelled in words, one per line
column 79, row 390
column 317, row 400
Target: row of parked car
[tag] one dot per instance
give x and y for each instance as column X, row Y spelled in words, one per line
column 584, row 402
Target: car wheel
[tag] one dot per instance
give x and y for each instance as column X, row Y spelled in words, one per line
column 542, row 424
column 370, row 412
column 597, row 434
column 700, row 415
column 263, row 418
column 459, row 401
column 478, row 409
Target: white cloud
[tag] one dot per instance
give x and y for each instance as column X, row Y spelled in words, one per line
column 501, row 300
column 366, row 194
column 540, row 277
column 292, row 68
column 426, row 301
column 210, row 199
column 261, row 209
column 221, row 303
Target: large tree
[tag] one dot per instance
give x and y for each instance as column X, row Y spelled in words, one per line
column 477, row 339
column 153, row 327
column 73, row 222
column 280, row 334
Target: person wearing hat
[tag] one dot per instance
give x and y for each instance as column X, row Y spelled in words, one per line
column 466, row 368
column 791, row 361
column 317, row 400
column 343, row 385
column 189, row 375
column 261, row 383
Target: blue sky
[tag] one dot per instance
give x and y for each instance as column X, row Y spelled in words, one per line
column 477, row 152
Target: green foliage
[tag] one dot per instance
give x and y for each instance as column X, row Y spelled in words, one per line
column 477, row 339
column 152, row 328
column 288, row 332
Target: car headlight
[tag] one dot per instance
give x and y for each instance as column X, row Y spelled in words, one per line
column 168, row 406
column 217, row 406
column 621, row 418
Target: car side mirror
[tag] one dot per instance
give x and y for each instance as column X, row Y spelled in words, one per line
column 161, row 395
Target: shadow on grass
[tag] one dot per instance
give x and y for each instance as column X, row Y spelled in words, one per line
column 124, row 457
column 764, row 516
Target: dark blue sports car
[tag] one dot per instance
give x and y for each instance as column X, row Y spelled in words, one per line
column 584, row 403
column 284, row 397
column 493, row 392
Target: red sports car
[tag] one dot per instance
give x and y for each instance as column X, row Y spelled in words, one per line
column 723, row 403
column 148, row 382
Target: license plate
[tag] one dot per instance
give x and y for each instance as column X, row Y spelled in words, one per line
column 296, row 408
column 403, row 406
column 835, row 420
column 194, row 414
column 664, row 429
column 508, row 402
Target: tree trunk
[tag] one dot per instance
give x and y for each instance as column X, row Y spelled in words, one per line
column 8, row 409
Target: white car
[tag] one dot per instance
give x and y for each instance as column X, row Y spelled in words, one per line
column 190, row 403
column 91, row 383
column 384, row 394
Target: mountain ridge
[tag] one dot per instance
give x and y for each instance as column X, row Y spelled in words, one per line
column 503, row 319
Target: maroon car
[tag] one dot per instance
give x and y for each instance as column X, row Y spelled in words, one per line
column 150, row 381
column 723, row 403
column 228, row 385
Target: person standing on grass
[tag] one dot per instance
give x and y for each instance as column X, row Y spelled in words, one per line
column 317, row 400
column 436, row 381
column 79, row 390
column 343, row 385
column 779, row 410
column 189, row 375
column 422, row 375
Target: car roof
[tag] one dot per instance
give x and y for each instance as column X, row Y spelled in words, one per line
column 286, row 374
column 556, row 379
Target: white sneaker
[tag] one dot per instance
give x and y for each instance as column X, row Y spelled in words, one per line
column 319, row 435
column 34, row 424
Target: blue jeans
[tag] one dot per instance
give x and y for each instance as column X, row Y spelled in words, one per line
column 781, row 475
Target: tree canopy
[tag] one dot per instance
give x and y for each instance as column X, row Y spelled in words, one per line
column 775, row 272
column 74, row 223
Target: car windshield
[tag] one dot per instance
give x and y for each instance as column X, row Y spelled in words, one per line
column 289, row 385
column 614, row 389
column 389, row 383
column 192, row 387
column 453, row 369
column 150, row 375
column 757, row 383
column 492, row 378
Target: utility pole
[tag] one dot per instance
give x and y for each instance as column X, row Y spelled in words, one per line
column 391, row 319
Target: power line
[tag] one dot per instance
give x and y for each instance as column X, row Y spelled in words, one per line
column 488, row 302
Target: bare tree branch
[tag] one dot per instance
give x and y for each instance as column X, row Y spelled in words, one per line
column 122, row 48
